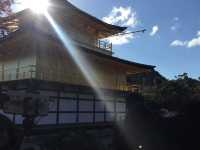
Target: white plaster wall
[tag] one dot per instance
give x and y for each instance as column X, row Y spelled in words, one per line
column 68, row 109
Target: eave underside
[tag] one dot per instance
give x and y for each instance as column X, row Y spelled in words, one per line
column 129, row 66
column 62, row 12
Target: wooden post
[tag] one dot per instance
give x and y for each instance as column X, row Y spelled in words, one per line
column 94, row 107
column 100, row 44
column 58, row 108
column 104, row 110
column 111, row 47
column 17, row 69
column 3, row 70
column 77, row 107
column 13, row 118
column 17, row 73
column 115, row 108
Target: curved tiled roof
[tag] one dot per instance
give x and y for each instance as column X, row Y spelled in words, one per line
column 63, row 8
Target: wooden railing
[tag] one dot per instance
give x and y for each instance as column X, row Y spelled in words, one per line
column 23, row 72
column 104, row 45
column 29, row 72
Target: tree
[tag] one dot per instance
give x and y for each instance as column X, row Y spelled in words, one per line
column 182, row 76
column 5, row 6
column 178, row 94
column 10, row 25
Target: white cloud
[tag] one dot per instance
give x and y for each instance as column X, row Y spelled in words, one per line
column 176, row 24
column 121, row 16
column 155, row 29
column 194, row 42
column 132, row 21
column 176, row 18
column 189, row 44
column 179, row 43
column 198, row 33
column 174, row 27
column 121, row 39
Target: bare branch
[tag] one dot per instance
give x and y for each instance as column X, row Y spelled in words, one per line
column 5, row 6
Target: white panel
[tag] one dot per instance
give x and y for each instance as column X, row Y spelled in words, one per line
column 108, row 98
column 19, row 119
column 121, row 99
column 50, row 119
column 7, row 75
column 121, row 116
column 67, row 118
column 9, row 116
column 21, row 93
column 99, row 106
column 121, row 107
column 99, row 117
column 85, row 117
column 1, row 66
column 48, row 93
column 72, row 95
column 11, row 64
column 110, row 116
column 89, row 97
column 28, row 60
column 110, row 106
column 85, row 105
column 1, row 76
column 24, row 73
column 1, row 71
column 12, row 74
column 53, row 104
column 67, row 105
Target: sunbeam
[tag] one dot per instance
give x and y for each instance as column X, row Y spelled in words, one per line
column 37, row 6
column 78, row 58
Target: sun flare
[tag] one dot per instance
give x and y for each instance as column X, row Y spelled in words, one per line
column 37, row 6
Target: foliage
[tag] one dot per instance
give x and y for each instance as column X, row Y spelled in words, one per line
column 177, row 94
column 175, row 129
column 5, row 6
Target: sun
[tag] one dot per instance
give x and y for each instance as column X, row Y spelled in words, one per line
column 37, row 6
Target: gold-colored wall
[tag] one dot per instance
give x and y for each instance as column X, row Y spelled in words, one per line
column 54, row 63
column 41, row 57
column 17, row 60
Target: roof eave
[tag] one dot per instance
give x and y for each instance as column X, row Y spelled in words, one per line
column 145, row 66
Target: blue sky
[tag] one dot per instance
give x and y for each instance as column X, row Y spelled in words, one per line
column 174, row 46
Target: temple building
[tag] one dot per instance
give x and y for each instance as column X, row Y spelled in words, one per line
column 146, row 83
column 34, row 60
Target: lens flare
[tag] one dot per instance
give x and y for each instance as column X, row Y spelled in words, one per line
column 79, row 59
column 87, row 70
column 37, row 6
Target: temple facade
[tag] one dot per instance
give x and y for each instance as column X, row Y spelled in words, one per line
column 35, row 61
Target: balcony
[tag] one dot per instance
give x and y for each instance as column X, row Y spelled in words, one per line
column 24, row 72
column 30, row 72
column 99, row 46
column 104, row 45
